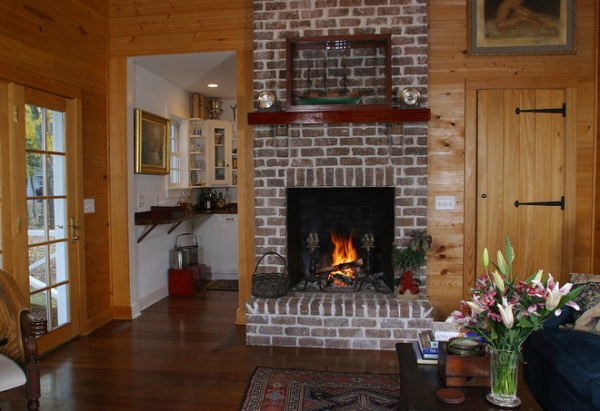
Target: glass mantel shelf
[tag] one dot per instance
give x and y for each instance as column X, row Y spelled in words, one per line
column 388, row 115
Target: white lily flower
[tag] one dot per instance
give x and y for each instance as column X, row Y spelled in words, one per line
column 554, row 293
column 477, row 308
column 506, row 311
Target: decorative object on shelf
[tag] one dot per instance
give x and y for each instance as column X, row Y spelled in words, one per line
column 502, row 312
column 234, row 109
column 198, row 105
column 514, row 27
column 151, row 143
column 317, row 70
column 408, row 260
column 215, row 110
column 266, row 101
column 411, row 97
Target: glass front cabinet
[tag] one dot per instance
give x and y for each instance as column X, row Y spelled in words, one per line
column 210, row 153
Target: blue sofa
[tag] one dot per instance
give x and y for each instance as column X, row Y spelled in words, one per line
column 562, row 366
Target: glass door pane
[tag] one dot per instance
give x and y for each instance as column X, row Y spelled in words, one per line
column 47, row 222
column 219, row 154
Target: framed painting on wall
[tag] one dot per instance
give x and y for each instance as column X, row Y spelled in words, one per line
column 151, row 143
column 521, row 26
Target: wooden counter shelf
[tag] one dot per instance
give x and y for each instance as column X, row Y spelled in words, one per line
column 145, row 218
column 386, row 115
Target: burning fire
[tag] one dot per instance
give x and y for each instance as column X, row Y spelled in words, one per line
column 344, row 252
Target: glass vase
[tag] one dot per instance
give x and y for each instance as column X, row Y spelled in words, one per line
column 504, row 366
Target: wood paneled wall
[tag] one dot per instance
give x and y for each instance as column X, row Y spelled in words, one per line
column 61, row 47
column 148, row 27
column 452, row 72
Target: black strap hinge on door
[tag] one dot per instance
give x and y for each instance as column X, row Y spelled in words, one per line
column 560, row 203
column 562, row 110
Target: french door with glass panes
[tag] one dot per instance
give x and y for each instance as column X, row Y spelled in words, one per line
column 45, row 177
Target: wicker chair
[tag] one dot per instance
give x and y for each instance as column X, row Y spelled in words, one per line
column 19, row 367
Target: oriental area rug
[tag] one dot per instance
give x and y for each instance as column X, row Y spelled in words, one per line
column 274, row 389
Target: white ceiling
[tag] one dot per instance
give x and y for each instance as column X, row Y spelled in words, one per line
column 193, row 71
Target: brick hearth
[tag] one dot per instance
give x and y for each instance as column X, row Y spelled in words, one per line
column 364, row 320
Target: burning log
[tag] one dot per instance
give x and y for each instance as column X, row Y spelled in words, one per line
column 340, row 267
column 342, row 279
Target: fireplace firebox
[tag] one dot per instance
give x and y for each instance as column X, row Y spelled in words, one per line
column 323, row 223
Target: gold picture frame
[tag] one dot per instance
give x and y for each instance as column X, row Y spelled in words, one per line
column 151, row 143
column 521, row 27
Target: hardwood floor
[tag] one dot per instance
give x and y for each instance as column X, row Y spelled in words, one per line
column 180, row 354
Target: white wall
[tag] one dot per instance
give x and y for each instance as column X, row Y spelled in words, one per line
column 149, row 260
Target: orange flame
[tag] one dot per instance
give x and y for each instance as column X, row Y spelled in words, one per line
column 344, row 252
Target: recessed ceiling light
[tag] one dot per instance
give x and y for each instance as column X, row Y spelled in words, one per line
column 212, row 85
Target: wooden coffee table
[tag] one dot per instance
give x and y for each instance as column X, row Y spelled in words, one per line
column 419, row 383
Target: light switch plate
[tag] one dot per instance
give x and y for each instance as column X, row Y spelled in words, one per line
column 89, row 205
column 445, row 202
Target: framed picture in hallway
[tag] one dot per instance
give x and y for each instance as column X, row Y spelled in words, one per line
column 151, row 143
column 521, row 27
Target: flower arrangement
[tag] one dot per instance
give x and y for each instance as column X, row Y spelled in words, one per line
column 503, row 311
column 410, row 259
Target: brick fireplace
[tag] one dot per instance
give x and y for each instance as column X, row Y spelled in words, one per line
column 355, row 155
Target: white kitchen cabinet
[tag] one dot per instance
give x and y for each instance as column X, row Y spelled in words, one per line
column 219, row 234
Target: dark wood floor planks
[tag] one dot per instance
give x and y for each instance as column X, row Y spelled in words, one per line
column 183, row 354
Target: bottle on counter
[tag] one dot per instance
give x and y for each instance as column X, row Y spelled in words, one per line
column 209, row 200
column 201, row 205
column 220, row 201
column 184, row 201
column 227, row 199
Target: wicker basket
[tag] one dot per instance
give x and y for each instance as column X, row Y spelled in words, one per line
column 270, row 285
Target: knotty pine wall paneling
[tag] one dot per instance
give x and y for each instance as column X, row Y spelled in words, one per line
column 150, row 27
column 61, row 47
column 451, row 71
column 596, row 267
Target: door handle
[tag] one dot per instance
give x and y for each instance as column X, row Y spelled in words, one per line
column 560, row 203
column 74, row 230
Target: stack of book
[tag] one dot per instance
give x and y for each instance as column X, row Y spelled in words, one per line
column 426, row 348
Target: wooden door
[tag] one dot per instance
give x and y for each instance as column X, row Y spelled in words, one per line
column 521, row 159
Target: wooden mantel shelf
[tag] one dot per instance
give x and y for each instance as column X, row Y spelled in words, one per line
column 386, row 115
